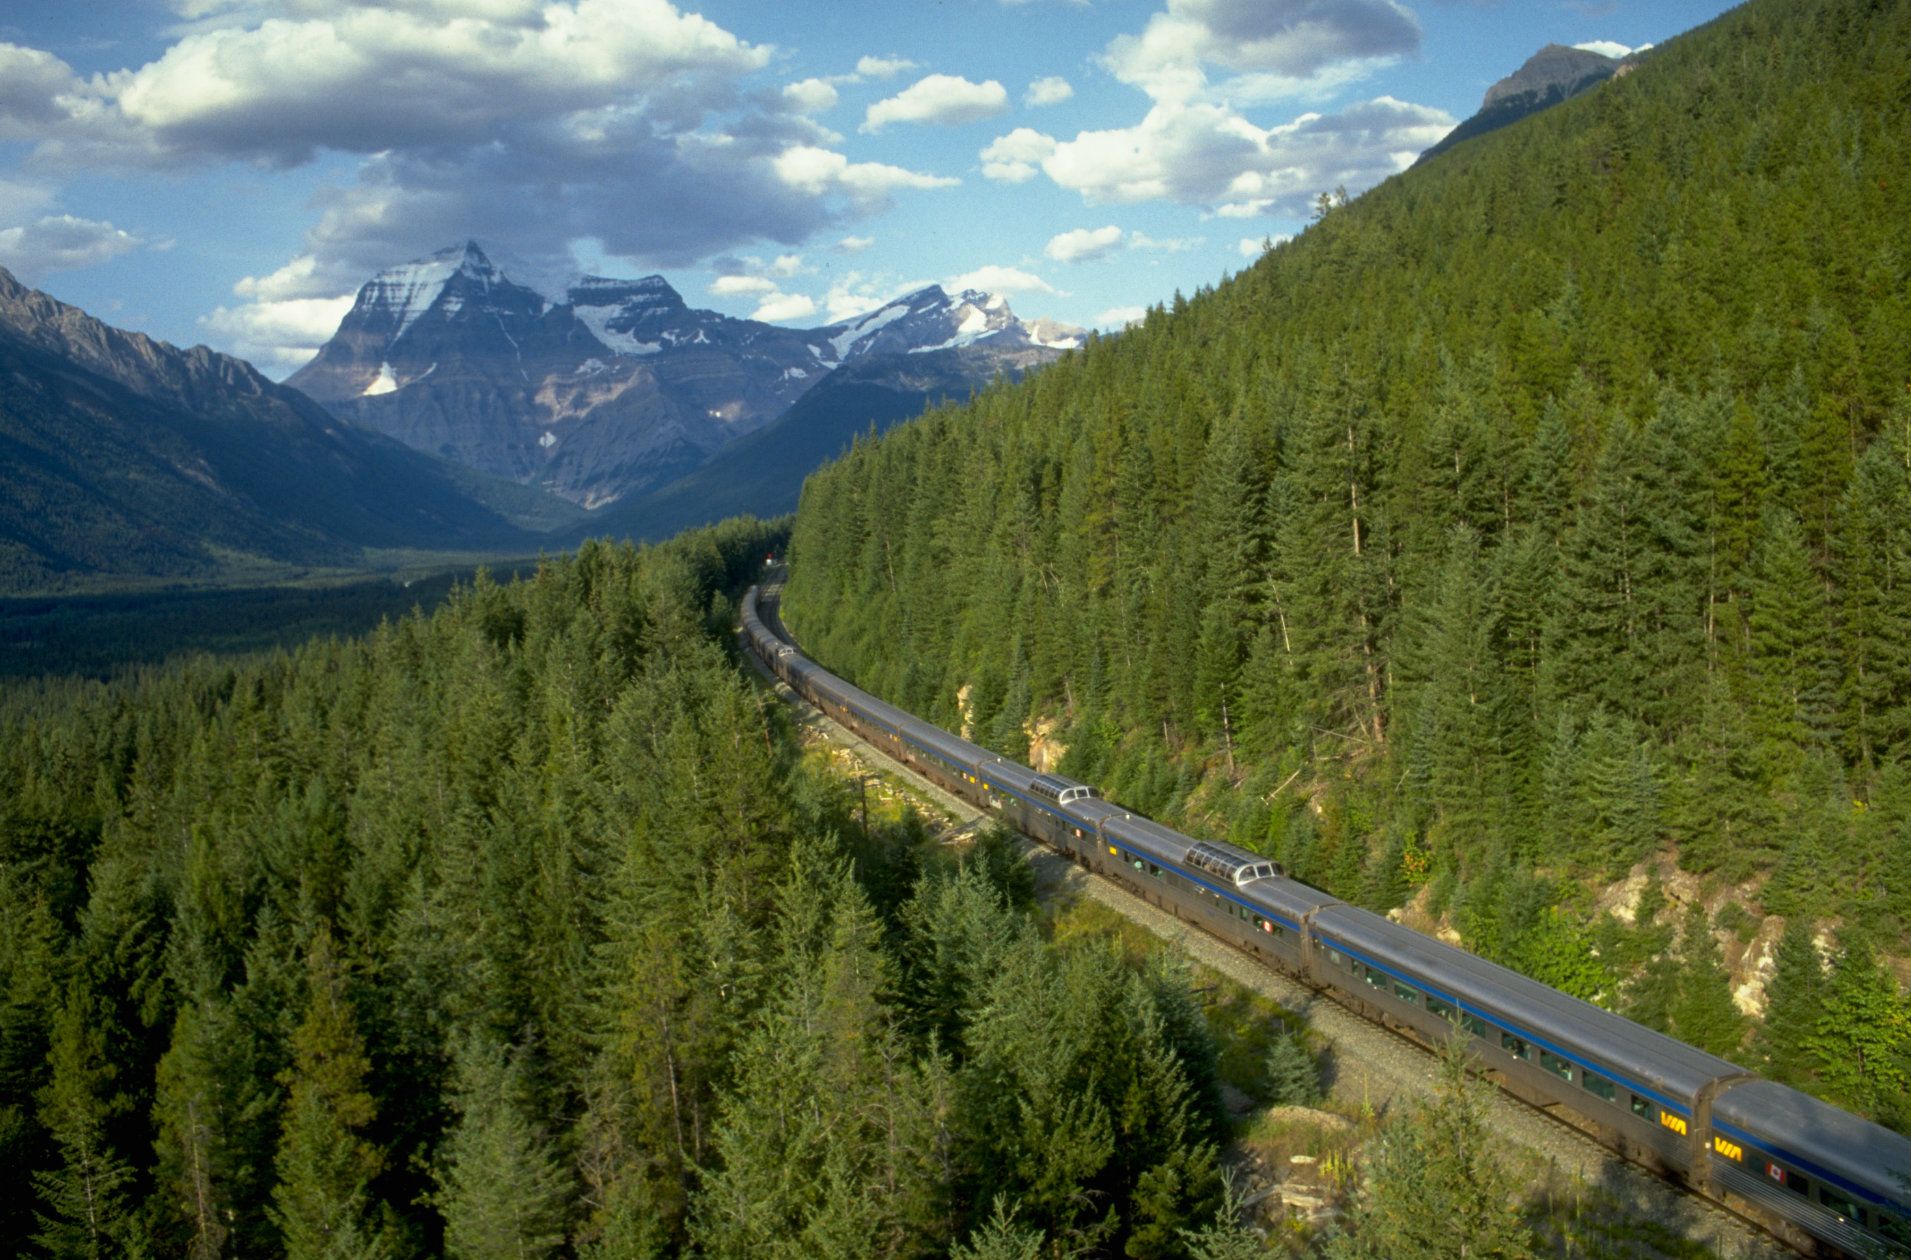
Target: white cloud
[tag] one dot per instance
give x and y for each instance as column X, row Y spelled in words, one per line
column 1605, row 48
column 527, row 124
column 811, row 96
column 1014, row 158
column 278, row 336
column 857, row 293
column 1083, row 244
column 23, row 199
column 1207, row 155
column 297, row 279
column 1272, row 47
column 735, row 286
column 1166, row 245
column 1052, row 90
column 945, row 99
column 61, row 242
column 854, row 244
column 818, row 171
column 998, row 279
column 883, row 67
column 1121, row 316
column 367, row 78
column 779, row 307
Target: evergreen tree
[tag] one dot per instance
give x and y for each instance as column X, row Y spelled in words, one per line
column 1293, row 1077
column 1000, row 1238
column 1702, row 1012
column 501, row 1189
column 323, row 1203
column 1794, row 1006
column 87, row 1208
column 1435, row 1187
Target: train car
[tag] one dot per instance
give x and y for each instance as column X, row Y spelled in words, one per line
column 1828, row 1182
column 1840, row 1178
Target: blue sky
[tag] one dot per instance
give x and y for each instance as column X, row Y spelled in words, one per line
column 230, row 171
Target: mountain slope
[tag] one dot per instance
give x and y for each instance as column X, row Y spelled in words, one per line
column 762, row 474
column 1531, row 535
column 123, row 455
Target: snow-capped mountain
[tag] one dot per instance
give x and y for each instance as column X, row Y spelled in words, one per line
column 930, row 319
column 620, row 386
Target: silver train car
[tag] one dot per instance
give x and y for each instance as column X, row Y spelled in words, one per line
column 1823, row 1180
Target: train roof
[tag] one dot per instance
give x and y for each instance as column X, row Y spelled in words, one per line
column 1576, row 1028
column 1288, row 897
column 1813, row 1132
column 1146, row 834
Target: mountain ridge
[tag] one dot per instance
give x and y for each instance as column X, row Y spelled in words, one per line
column 126, row 456
column 618, row 388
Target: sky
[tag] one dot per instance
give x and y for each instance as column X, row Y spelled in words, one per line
column 231, row 171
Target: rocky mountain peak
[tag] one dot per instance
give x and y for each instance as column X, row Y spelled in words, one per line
column 1569, row 70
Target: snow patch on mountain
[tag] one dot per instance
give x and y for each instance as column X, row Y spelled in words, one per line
column 598, row 318
column 408, row 291
column 383, row 383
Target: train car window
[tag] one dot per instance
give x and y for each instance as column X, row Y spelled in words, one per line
column 1894, row 1228
column 1154, row 870
column 1641, row 1106
column 1475, row 1025
column 1514, row 1046
column 1557, row 1066
column 1140, row 865
column 1839, row 1204
column 1594, row 1083
column 1406, row 993
column 1375, row 977
column 1440, row 1007
column 1336, row 957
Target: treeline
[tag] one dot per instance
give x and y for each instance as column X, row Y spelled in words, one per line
column 1542, row 514
column 518, row 930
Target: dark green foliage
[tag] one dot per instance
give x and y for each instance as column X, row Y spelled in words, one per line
column 1543, row 509
column 1794, row 1006
column 518, row 930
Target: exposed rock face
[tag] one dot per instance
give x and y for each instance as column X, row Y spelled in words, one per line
column 1553, row 74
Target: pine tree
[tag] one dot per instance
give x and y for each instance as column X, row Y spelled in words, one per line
column 1435, row 1188
column 1293, row 1077
column 1000, row 1238
column 1702, row 1011
column 1794, row 1005
column 500, row 1188
column 1858, row 1043
column 86, row 1211
column 323, row 1201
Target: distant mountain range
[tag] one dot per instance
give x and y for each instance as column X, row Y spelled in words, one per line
column 621, row 387
column 125, row 456
column 1553, row 74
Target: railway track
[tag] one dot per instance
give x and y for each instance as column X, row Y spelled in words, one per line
column 1373, row 1065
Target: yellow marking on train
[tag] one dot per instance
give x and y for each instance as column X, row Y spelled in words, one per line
column 1670, row 1121
column 1731, row 1150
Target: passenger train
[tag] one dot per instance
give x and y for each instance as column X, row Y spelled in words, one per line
column 1823, row 1180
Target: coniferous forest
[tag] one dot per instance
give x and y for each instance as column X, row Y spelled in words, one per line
column 1538, row 521
column 519, row 930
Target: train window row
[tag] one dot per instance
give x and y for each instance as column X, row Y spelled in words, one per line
column 1510, row 1043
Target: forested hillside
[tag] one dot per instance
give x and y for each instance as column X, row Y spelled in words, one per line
column 1541, row 517
column 518, row 931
